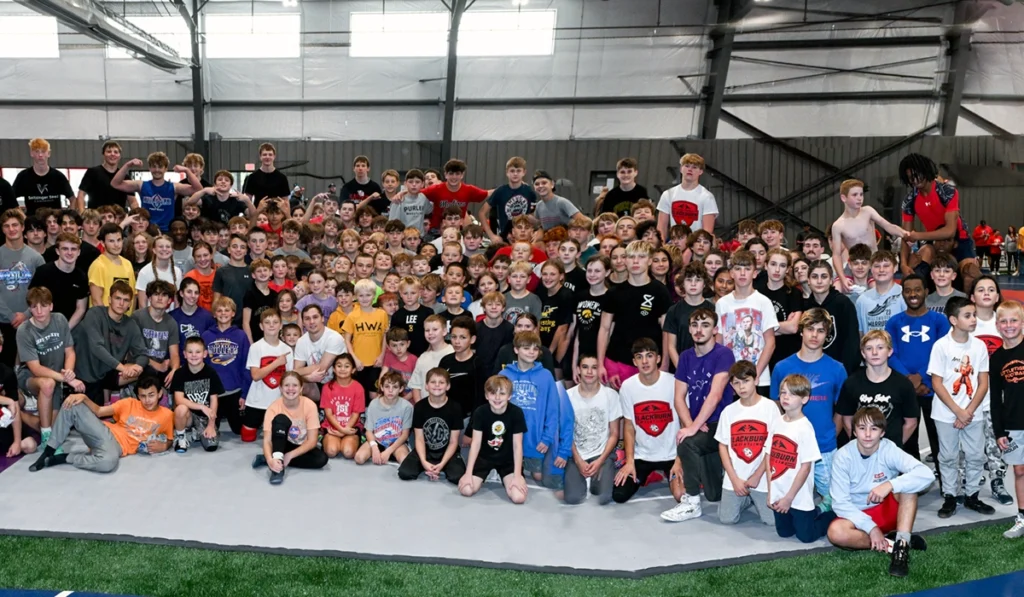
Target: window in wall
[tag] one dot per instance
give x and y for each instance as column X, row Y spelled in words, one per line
column 253, row 36
column 425, row 34
column 170, row 30
column 28, row 37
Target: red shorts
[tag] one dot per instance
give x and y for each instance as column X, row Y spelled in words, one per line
column 884, row 514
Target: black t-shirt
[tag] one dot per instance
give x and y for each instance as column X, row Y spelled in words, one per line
column 412, row 321
column 7, row 197
column 449, row 318
column 67, row 288
column 467, row 381
column 42, row 191
column 621, row 202
column 637, row 310
column 576, row 281
column 8, row 382
column 677, row 321
column 258, row 302
column 761, row 281
column 96, row 184
column 260, row 185
column 588, row 319
column 354, row 191
column 556, row 311
column 489, row 341
column 215, row 210
column 895, row 397
column 437, row 424
column 497, row 430
column 786, row 302
column 86, row 256
column 198, row 386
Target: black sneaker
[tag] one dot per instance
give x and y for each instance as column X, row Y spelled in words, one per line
column 948, row 506
column 999, row 492
column 899, row 565
column 917, row 542
column 259, row 461
column 276, row 478
column 972, row 502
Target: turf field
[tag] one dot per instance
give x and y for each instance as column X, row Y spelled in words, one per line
column 126, row 568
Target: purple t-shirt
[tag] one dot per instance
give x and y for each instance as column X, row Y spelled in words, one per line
column 698, row 373
column 327, row 305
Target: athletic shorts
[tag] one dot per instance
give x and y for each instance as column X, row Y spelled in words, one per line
column 1015, row 455
column 884, row 514
column 109, row 382
column 24, row 375
column 623, row 370
column 482, row 468
column 368, row 378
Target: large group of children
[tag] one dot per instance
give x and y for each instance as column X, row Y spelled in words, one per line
column 391, row 323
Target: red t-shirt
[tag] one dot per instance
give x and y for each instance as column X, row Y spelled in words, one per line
column 983, row 235
column 539, row 256
column 932, row 208
column 441, row 196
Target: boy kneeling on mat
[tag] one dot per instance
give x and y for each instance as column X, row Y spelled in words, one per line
column 139, row 425
column 874, row 492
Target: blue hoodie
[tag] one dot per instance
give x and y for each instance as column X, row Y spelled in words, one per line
column 535, row 392
column 227, row 353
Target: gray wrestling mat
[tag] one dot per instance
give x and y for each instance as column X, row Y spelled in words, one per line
column 217, row 501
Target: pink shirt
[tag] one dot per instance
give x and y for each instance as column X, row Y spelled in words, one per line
column 343, row 401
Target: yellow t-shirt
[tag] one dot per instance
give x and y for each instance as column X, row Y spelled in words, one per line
column 367, row 329
column 337, row 319
column 103, row 273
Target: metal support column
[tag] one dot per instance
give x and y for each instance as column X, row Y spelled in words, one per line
column 957, row 39
column 722, row 36
column 458, row 7
column 199, row 144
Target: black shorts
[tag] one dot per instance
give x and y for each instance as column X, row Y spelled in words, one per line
column 95, row 389
column 368, row 378
column 253, row 417
column 482, row 468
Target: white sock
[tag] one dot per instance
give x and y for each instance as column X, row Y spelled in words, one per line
column 44, row 430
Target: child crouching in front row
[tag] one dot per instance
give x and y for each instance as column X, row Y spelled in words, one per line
column 342, row 400
column 498, row 429
column 388, row 420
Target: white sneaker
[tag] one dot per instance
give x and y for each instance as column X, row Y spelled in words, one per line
column 1017, row 530
column 687, row 509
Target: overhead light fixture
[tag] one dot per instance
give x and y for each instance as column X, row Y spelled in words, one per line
column 289, row 3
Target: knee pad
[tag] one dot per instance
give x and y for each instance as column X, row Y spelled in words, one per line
column 248, row 434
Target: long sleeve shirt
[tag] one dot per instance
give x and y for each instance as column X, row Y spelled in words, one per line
column 104, row 344
column 854, row 476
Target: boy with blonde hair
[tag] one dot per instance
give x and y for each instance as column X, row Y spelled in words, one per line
column 856, row 226
column 498, row 430
column 688, row 202
column 1006, row 398
column 364, row 330
column 519, row 299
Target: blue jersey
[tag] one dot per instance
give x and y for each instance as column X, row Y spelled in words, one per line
column 159, row 201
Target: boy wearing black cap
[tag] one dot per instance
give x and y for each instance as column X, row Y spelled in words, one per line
column 552, row 210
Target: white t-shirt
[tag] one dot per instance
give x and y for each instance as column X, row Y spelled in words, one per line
column 744, row 430
column 791, row 445
column 742, row 323
column 653, row 413
column 593, row 415
column 172, row 275
column 427, row 361
column 959, row 366
column 311, row 352
column 986, row 332
column 688, row 207
column 264, row 392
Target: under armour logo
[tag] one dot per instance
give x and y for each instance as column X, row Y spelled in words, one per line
column 923, row 334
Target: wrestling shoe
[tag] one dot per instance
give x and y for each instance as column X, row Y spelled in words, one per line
column 687, row 509
column 917, row 542
column 973, row 503
column 276, row 478
column 181, row 444
column 899, row 565
column 999, row 492
column 259, row 461
column 1017, row 530
column 948, row 506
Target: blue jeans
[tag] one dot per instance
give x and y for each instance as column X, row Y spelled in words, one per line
column 823, row 476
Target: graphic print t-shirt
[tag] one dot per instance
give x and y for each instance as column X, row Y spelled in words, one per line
column 790, row 445
column 894, row 396
column 744, row 430
column 986, row 332
column 263, row 392
column 743, row 323
column 592, row 416
column 651, row 410
column 303, row 417
column 437, row 424
column 688, row 207
column 959, row 366
column 497, row 430
column 198, row 386
column 133, row 425
column 637, row 311
column 343, row 401
column 388, row 422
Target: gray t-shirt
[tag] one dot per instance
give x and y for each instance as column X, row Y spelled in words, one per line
column 411, row 210
column 233, row 282
column 47, row 344
column 514, row 307
column 183, row 259
column 157, row 335
column 16, row 270
column 937, row 303
column 387, row 423
column 297, row 253
column 557, row 211
column 220, row 259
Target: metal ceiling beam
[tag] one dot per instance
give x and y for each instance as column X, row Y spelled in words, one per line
column 458, row 8
column 836, row 43
column 764, row 137
column 986, row 124
column 830, row 179
column 721, row 50
column 957, row 48
column 825, row 71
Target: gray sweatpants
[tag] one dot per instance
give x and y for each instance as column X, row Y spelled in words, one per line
column 600, row 485
column 104, row 451
column 732, row 505
column 970, row 439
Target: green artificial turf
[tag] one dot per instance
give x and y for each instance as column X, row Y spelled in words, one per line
column 126, row 568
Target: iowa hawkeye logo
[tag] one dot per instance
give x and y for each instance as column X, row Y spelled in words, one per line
column 747, row 439
column 783, row 456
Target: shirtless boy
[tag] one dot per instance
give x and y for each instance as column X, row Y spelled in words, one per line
column 855, row 226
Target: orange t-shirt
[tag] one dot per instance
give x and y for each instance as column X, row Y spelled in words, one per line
column 205, row 287
column 304, row 417
column 133, row 425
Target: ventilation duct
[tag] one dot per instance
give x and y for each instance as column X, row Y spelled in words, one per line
column 90, row 18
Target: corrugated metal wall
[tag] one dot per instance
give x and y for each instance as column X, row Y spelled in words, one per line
column 769, row 170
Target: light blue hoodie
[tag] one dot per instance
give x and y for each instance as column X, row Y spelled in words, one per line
column 536, row 393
